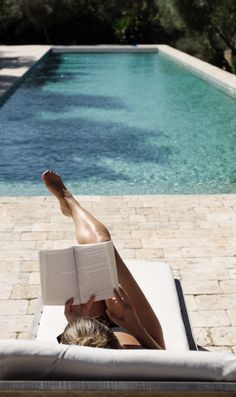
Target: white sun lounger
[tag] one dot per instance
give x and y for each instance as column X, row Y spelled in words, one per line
column 157, row 283
column 44, row 365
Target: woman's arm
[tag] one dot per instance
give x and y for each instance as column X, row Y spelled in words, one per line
column 145, row 339
column 123, row 313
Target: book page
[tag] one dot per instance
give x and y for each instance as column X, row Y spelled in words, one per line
column 58, row 276
column 96, row 270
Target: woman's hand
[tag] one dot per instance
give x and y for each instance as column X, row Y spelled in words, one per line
column 122, row 312
column 72, row 312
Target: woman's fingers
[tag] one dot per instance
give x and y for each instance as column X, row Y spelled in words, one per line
column 90, row 302
column 68, row 305
column 68, row 309
column 121, row 296
column 118, row 297
column 70, row 301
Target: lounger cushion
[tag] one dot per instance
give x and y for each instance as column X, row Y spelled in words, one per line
column 27, row 360
column 157, row 283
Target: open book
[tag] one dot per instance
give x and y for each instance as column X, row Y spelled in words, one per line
column 78, row 272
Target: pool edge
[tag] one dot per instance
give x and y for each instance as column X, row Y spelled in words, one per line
column 222, row 79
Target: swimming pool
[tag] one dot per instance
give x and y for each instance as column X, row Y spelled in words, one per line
column 118, row 124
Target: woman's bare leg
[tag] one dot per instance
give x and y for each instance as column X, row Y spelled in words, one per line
column 89, row 230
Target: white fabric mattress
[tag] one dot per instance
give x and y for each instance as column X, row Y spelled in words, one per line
column 157, row 283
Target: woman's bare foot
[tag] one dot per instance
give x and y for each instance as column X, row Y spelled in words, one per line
column 54, row 184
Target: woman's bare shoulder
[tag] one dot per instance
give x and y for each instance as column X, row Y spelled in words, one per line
column 127, row 340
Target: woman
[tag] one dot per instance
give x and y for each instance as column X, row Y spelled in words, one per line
column 127, row 320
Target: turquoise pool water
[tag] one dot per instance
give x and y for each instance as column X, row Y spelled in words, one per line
column 118, row 124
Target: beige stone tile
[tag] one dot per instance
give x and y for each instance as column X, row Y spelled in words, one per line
column 17, row 245
column 8, row 335
column 144, row 234
column 29, row 266
column 134, row 243
column 205, row 273
column 34, row 236
column 23, row 278
column 201, row 287
column 194, row 233
column 153, row 243
column 9, row 266
column 148, row 211
column 164, row 233
column 7, row 226
column 228, row 286
column 44, row 245
column 34, row 278
column 160, row 220
column 209, row 318
column 12, row 323
column 219, row 349
column 225, row 231
column 24, row 335
column 137, row 218
column 5, row 290
column 33, row 306
column 174, row 252
column 216, row 302
column 106, row 219
column 225, row 262
column 232, row 316
column 21, row 291
column 126, row 211
column 188, row 226
column 180, row 242
column 23, row 228
column 136, row 203
column 127, row 253
column 205, row 252
column 9, row 279
column 50, row 227
column 117, row 235
column 10, row 236
column 18, row 255
column 202, row 336
column 189, row 264
column 224, row 336
column 18, row 307
column 190, row 303
column 57, row 235
column 153, row 253
column 120, row 226
column 176, row 274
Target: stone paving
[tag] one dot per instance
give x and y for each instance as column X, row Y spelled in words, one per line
column 196, row 235
column 15, row 61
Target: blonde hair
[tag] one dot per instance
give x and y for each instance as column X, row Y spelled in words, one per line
column 87, row 331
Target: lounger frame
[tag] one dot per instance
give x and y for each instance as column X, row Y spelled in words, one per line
column 116, row 388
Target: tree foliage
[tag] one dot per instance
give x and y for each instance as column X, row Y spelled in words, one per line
column 207, row 28
column 204, row 28
column 78, row 21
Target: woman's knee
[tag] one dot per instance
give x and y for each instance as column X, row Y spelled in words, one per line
column 103, row 236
